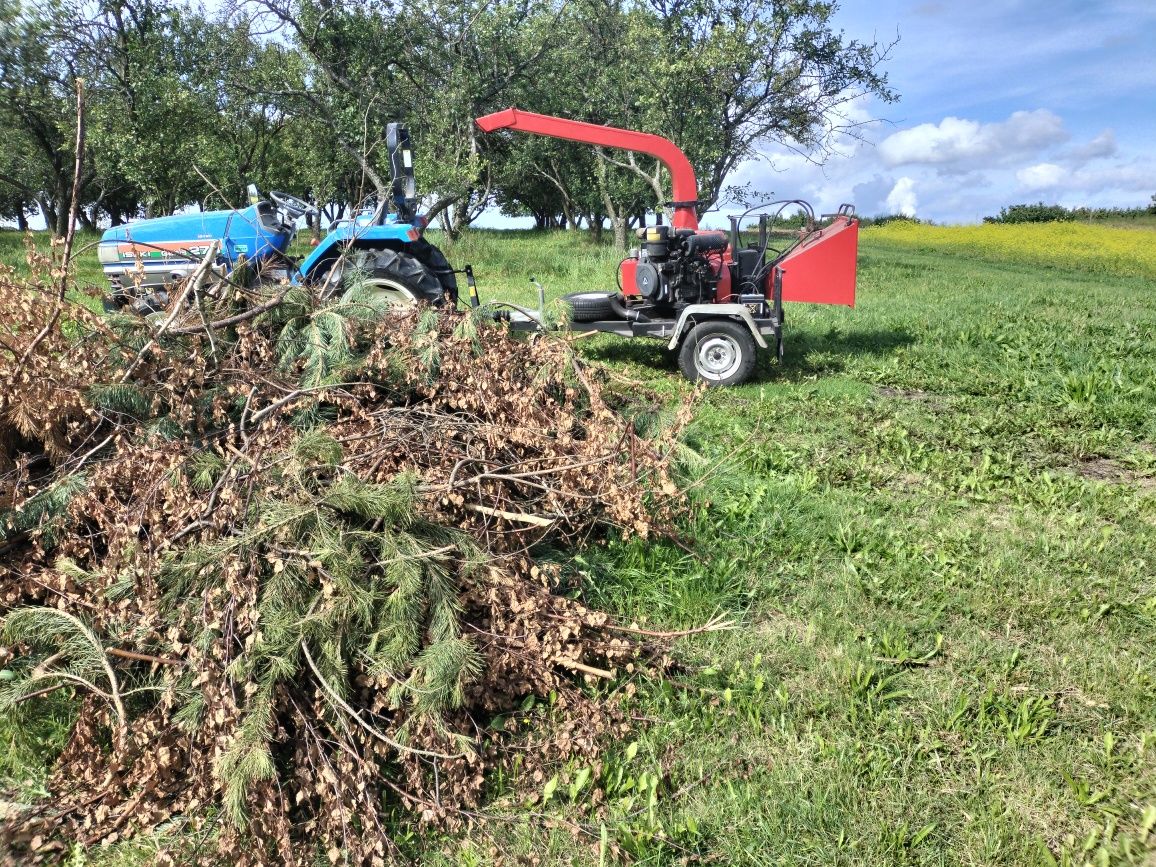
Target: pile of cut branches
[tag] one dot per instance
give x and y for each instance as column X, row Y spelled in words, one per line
column 279, row 551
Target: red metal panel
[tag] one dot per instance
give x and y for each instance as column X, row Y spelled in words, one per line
column 626, row 272
column 683, row 182
column 821, row 270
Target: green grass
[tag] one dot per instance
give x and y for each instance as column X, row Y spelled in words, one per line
column 86, row 267
column 935, row 524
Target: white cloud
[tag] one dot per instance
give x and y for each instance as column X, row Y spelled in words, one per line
column 1074, row 185
column 1137, row 177
column 1043, row 176
column 902, row 198
column 958, row 143
column 960, row 169
column 1103, row 145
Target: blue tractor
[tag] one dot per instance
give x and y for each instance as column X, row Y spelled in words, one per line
column 387, row 250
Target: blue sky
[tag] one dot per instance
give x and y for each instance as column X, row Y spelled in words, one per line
column 1000, row 102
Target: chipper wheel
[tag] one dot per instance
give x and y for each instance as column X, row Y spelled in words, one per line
column 399, row 279
column 719, row 352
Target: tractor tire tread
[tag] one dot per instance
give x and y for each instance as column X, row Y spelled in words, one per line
column 435, row 261
column 406, row 270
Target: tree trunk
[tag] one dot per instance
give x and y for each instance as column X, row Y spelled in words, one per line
column 22, row 218
column 617, row 218
column 50, row 216
column 619, row 234
column 439, row 207
column 460, row 219
column 62, row 200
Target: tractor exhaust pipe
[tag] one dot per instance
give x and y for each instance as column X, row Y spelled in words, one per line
column 404, row 188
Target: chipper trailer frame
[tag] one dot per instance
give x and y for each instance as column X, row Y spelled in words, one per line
column 700, row 291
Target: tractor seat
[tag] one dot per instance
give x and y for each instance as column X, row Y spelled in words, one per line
column 270, row 217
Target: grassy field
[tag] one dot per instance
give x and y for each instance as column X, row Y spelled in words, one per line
column 936, row 526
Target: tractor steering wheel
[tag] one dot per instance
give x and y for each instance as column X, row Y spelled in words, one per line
column 292, row 205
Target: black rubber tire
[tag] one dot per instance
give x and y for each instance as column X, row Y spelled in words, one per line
column 594, row 306
column 718, row 352
column 405, row 271
column 436, row 263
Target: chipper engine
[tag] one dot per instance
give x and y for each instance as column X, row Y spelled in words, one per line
column 714, row 296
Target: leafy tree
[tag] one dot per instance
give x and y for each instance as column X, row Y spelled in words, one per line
column 20, row 180
column 38, row 67
column 735, row 74
column 157, row 122
column 435, row 64
column 1037, row 213
column 719, row 79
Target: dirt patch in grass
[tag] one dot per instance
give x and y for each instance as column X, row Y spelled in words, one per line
column 913, row 394
column 1101, row 469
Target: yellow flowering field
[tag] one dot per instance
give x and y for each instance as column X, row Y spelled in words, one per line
column 1100, row 249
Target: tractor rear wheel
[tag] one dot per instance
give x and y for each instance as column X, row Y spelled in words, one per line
column 718, row 352
column 399, row 279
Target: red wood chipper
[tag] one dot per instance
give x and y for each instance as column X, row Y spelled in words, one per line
column 704, row 292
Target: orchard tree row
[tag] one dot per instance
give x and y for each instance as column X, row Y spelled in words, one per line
column 186, row 104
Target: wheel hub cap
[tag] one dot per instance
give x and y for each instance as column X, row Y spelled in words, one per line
column 396, row 296
column 718, row 357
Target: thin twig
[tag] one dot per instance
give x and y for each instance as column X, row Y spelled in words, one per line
column 251, row 313
column 293, row 395
column 519, row 517
column 143, row 657
column 73, row 210
column 584, row 668
column 45, row 691
column 341, row 703
column 197, row 278
column 74, row 205
column 715, row 624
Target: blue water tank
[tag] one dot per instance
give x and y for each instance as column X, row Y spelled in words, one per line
column 158, row 251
